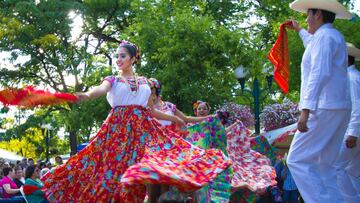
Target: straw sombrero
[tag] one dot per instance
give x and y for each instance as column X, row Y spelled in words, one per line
column 353, row 51
column 327, row 5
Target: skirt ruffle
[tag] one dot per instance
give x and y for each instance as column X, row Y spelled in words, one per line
column 250, row 168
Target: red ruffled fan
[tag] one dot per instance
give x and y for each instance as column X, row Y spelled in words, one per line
column 30, row 97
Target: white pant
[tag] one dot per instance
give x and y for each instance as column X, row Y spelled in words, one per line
column 313, row 154
column 348, row 173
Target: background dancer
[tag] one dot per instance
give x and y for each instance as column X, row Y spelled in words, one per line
column 349, row 159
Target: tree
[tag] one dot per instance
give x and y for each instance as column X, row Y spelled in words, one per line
column 188, row 47
column 41, row 33
column 33, row 144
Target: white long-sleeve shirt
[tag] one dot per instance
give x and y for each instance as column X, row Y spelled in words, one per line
column 354, row 125
column 324, row 81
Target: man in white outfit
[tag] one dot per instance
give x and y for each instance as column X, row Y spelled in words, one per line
column 348, row 172
column 324, row 102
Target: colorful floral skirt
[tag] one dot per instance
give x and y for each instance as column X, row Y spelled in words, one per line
column 131, row 150
column 250, row 167
column 210, row 134
column 261, row 145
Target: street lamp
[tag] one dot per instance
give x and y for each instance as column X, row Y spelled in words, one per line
column 240, row 74
column 268, row 71
column 48, row 129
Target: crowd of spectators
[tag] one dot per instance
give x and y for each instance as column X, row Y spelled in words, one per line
column 20, row 181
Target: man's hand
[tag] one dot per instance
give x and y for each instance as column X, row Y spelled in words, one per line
column 351, row 142
column 302, row 123
column 294, row 25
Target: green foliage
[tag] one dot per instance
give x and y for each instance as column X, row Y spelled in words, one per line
column 32, row 144
column 191, row 55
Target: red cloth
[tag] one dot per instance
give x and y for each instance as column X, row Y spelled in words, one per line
column 279, row 56
column 30, row 97
column 29, row 189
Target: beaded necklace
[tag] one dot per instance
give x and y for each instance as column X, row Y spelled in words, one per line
column 128, row 85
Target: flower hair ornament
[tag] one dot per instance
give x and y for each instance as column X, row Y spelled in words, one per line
column 154, row 83
column 195, row 105
column 135, row 53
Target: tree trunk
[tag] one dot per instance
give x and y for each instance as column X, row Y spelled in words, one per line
column 73, row 142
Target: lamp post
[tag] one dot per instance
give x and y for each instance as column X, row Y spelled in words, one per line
column 240, row 74
column 47, row 128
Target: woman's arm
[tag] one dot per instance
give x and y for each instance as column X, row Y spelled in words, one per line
column 227, row 129
column 190, row 119
column 163, row 116
column 10, row 191
column 95, row 92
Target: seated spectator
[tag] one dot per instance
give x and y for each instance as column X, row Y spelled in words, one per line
column 44, row 171
column 33, row 186
column 48, row 165
column 41, row 165
column 19, row 178
column 31, row 162
column 2, row 165
column 24, row 163
column 8, row 185
column 58, row 161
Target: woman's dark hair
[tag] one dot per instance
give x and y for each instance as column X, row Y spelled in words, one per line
column 7, row 170
column 18, row 168
column 133, row 50
column 30, row 171
column 130, row 48
column 223, row 116
column 154, row 83
column 351, row 60
column 328, row 17
column 41, row 165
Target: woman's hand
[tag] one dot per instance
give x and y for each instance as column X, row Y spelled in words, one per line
column 179, row 121
column 81, row 96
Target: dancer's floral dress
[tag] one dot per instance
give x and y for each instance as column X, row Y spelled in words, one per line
column 131, row 150
column 210, row 134
column 250, row 167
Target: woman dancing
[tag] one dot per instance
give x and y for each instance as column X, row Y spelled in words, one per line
column 131, row 149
